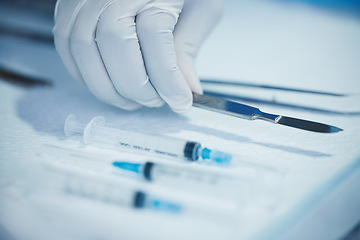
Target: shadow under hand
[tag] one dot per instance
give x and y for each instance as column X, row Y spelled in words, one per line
column 47, row 108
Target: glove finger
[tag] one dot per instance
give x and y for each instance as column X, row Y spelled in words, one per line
column 88, row 59
column 120, row 50
column 190, row 32
column 65, row 15
column 154, row 27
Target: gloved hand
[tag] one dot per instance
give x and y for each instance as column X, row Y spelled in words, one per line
column 135, row 52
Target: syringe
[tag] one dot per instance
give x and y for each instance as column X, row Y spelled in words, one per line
column 170, row 174
column 163, row 146
column 211, row 181
column 108, row 188
column 115, row 193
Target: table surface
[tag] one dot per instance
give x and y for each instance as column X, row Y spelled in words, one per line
column 304, row 185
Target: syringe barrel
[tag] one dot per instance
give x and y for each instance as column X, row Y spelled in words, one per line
column 170, row 174
column 148, row 144
column 99, row 191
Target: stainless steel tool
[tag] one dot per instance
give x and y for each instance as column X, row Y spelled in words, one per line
column 239, row 110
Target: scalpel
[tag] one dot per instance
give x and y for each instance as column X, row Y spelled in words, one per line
column 239, row 110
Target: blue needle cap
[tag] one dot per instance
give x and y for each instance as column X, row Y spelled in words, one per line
column 216, row 156
column 133, row 167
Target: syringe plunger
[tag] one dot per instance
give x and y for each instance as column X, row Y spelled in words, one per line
column 73, row 126
column 97, row 131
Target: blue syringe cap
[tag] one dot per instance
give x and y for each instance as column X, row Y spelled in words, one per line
column 133, row 167
column 216, row 156
column 165, row 206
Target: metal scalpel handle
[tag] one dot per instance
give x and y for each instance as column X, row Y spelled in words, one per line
column 239, row 110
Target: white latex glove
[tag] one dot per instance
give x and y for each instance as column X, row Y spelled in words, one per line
column 135, row 52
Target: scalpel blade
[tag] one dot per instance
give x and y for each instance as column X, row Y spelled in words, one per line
column 235, row 109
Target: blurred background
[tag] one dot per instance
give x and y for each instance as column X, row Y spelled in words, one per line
column 291, row 43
